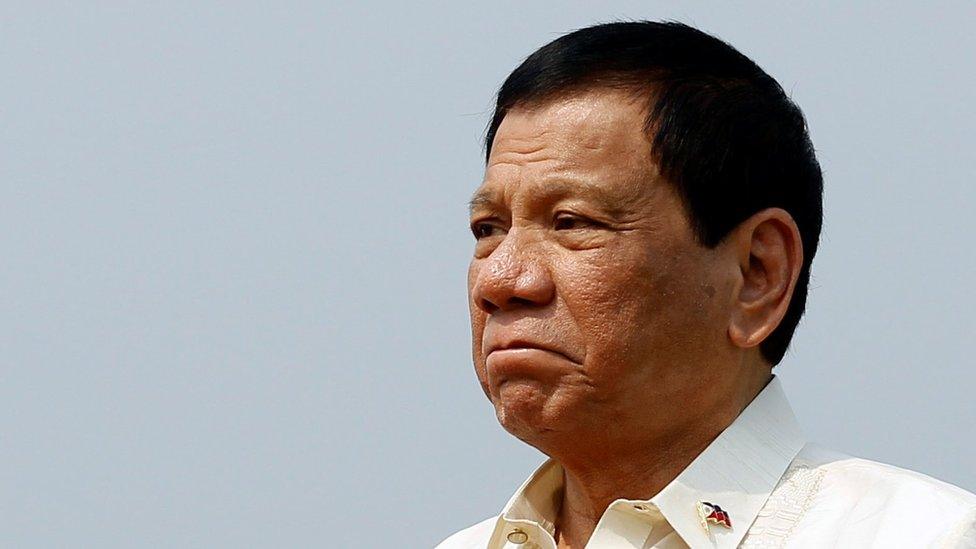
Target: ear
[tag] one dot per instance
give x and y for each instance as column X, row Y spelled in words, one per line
column 769, row 253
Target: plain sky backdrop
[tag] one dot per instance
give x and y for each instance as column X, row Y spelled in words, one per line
column 234, row 243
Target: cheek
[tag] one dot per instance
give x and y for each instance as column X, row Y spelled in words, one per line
column 478, row 318
column 606, row 287
column 602, row 294
column 477, row 315
column 679, row 318
column 638, row 307
column 477, row 358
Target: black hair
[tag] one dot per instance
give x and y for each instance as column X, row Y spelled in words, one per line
column 722, row 131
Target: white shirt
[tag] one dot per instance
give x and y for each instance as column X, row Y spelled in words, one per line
column 777, row 491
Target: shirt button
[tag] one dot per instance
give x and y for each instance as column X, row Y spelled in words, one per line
column 518, row 537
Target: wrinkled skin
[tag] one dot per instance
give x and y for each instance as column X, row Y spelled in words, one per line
column 603, row 333
column 584, row 250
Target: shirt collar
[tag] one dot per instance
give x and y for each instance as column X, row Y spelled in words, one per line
column 737, row 472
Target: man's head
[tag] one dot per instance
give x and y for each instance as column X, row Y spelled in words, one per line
column 650, row 209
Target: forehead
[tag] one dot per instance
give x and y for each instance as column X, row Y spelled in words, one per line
column 593, row 117
column 596, row 137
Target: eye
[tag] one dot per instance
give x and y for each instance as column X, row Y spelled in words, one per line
column 569, row 222
column 484, row 229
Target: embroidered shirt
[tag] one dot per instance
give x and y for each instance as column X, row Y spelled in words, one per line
column 776, row 489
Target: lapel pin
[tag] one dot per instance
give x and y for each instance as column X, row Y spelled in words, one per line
column 709, row 512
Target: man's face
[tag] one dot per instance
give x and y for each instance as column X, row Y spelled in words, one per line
column 594, row 310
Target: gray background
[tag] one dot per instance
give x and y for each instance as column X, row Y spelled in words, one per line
column 234, row 246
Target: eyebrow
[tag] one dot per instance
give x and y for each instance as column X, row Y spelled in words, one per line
column 481, row 199
column 560, row 186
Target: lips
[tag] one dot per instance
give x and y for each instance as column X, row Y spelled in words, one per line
column 520, row 344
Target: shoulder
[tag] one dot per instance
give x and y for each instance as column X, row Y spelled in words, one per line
column 874, row 483
column 864, row 503
column 476, row 536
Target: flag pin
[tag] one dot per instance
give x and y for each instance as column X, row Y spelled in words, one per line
column 709, row 512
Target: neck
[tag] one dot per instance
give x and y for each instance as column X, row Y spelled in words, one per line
column 638, row 473
column 588, row 492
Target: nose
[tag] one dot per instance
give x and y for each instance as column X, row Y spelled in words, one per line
column 515, row 275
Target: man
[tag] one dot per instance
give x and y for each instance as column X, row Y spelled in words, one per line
column 644, row 233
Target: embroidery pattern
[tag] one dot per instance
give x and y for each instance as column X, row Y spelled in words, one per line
column 785, row 507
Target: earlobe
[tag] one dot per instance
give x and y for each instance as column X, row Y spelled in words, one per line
column 770, row 256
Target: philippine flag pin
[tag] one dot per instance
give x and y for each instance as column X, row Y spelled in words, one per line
column 709, row 512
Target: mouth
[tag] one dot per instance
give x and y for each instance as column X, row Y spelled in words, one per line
column 521, row 347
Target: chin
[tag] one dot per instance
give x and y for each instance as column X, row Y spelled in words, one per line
column 525, row 411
